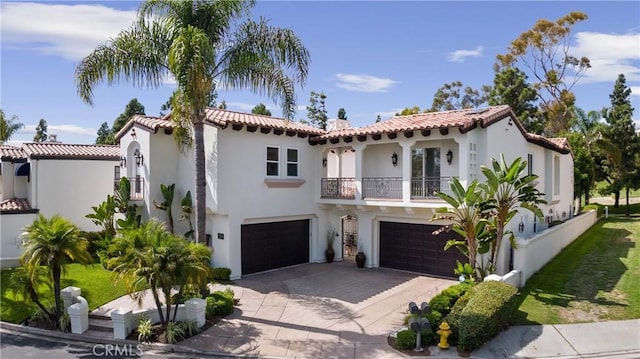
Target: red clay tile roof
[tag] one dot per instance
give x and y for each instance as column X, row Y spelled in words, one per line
column 15, row 205
column 558, row 144
column 11, row 153
column 149, row 122
column 48, row 150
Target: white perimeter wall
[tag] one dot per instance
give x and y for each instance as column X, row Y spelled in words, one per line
column 535, row 252
column 70, row 188
column 11, row 227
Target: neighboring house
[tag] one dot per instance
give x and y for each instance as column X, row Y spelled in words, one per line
column 275, row 188
column 50, row 178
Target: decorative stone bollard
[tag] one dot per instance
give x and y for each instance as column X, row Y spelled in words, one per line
column 195, row 308
column 122, row 323
column 79, row 315
column 68, row 295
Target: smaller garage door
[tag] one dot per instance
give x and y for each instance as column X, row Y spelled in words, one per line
column 274, row 245
column 413, row 247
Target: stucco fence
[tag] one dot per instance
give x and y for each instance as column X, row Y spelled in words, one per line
column 11, row 227
column 536, row 251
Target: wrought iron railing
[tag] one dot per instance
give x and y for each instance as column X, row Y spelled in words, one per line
column 344, row 188
column 427, row 187
column 136, row 192
column 382, row 187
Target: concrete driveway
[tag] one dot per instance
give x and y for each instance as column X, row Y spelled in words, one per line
column 318, row 311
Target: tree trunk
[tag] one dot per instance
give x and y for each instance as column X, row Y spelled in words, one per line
column 201, row 183
column 56, row 272
column 586, row 198
column 617, row 199
column 167, row 302
column 156, row 299
column 628, row 214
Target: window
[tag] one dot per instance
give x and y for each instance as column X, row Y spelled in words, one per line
column 556, row 175
column 116, row 173
column 529, row 164
column 273, row 154
column 473, row 161
column 292, row 162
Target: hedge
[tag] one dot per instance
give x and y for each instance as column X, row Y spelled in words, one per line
column 444, row 301
column 486, row 314
column 220, row 273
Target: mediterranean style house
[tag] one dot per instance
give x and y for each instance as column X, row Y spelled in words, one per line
column 50, row 178
column 276, row 189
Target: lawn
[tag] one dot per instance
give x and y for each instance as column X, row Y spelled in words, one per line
column 94, row 281
column 596, row 278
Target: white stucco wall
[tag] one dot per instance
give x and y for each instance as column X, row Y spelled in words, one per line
column 11, row 228
column 71, row 187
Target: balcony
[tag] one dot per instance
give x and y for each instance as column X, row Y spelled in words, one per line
column 382, row 188
column 338, row 188
column 136, row 193
column 426, row 188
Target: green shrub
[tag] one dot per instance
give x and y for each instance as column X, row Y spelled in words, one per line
column 486, row 314
column 454, row 316
column 444, row 301
column 174, row 332
column 98, row 242
column 221, row 273
column 435, row 317
column 594, row 206
column 220, row 303
column 427, row 337
column 185, row 296
column 406, row 339
column 190, row 328
column 144, row 329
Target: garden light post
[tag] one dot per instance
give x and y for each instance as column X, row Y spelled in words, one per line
column 417, row 323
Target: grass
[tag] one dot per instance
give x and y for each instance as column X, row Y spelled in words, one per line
column 596, row 278
column 94, row 281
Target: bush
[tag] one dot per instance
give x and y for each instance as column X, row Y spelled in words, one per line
column 434, row 318
column 221, row 273
column 486, row 314
column 220, row 303
column 174, row 332
column 594, row 206
column 98, row 242
column 144, row 329
column 406, row 339
column 444, row 301
column 454, row 316
column 185, row 296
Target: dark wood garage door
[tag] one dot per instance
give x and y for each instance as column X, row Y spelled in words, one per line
column 274, row 245
column 413, row 247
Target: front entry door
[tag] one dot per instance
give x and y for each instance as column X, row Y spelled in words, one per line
column 349, row 238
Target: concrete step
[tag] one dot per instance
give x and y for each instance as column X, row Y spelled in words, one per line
column 101, row 325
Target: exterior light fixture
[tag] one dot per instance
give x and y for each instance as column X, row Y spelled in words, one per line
column 133, row 133
column 324, row 162
column 521, row 226
column 123, row 161
column 394, row 159
column 449, row 157
column 139, row 158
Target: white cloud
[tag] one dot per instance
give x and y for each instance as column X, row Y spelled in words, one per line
column 610, row 55
column 461, row 55
column 240, row 106
column 60, row 130
column 69, row 31
column 635, row 90
column 364, row 83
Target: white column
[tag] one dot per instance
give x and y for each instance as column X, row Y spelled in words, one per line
column 68, row 294
column 196, row 310
column 359, row 158
column 406, row 170
column 122, row 323
column 79, row 316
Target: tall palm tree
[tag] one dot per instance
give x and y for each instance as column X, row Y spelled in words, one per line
column 150, row 257
column 8, row 126
column 53, row 243
column 198, row 44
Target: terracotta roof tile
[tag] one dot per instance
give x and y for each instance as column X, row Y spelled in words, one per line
column 15, row 205
column 464, row 119
column 11, row 153
column 149, row 122
column 224, row 117
column 70, row 151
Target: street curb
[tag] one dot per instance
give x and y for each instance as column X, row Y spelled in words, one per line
column 79, row 338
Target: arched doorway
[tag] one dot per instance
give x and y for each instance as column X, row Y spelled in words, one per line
column 349, row 237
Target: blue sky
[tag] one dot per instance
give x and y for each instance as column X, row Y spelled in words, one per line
column 370, row 57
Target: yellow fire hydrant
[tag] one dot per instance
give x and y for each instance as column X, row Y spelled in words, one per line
column 444, row 332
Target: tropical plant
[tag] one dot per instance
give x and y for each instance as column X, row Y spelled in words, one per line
column 149, row 257
column 468, row 221
column 507, row 189
column 27, row 284
column 186, row 205
column 144, row 328
column 168, row 193
column 197, row 43
column 130, row 211
column 8, row 126
column 103, row 215
column 52, row 243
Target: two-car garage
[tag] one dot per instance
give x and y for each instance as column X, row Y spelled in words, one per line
column 272, row 245
column 415, row 248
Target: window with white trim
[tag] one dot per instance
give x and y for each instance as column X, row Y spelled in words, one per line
column 292, row 162
column 273, row 162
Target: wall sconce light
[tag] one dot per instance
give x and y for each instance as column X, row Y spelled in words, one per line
column 521, row 226
column 324, row 162
column 133, row 133
column 123, row 161
column 449, row 157
column 139, row 157
column 394, row 159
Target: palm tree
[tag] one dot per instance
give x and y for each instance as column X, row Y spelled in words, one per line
column 53, row 243
column 150, row 257
column 8, row 126
column 197, row 43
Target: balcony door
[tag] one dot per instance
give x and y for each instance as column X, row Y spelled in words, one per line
column 425, row 172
